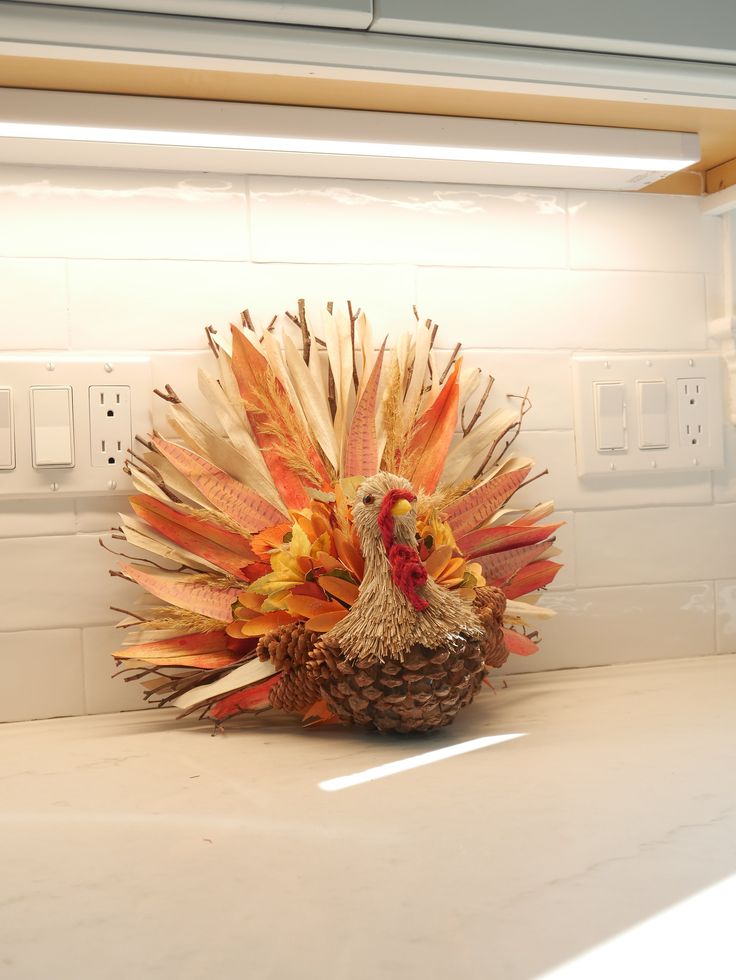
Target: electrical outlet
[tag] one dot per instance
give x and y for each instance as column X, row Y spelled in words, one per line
column 109, row 424
column 692, row 411
column 669, row 406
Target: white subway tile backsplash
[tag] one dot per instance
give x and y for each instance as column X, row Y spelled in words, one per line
column 27, row 518
column 724, row 480
column 59, row 582
column 553, row 309
column 556, row 451
column 358, row 221
column 91, row 213
column 657, row 544
column 386, row 292
column 41, row 674
column 99, row 514
column 34, row 313
column 545, row 373
column 134, row 305
column 103, row 692
column 595, row 627
column 639, row 231
column 726, row 616
column 97, row 260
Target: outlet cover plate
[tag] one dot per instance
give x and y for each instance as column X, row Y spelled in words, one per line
column 628, row 369
column 21, row 372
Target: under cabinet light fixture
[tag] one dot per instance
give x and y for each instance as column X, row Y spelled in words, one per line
column 131, row 131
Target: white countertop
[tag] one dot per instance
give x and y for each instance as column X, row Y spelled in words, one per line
column 134, row 846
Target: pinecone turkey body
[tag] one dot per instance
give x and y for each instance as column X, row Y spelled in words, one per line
column 423, row 691
column 409, row 654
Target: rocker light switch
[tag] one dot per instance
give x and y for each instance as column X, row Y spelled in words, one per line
column 652, row 398
column 610, row 419
column 52, row 426
column 7, row 434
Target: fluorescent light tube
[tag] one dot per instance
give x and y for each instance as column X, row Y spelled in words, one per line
column 108, row 130
column 285, row 144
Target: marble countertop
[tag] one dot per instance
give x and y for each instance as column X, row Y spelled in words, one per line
column 601, row 841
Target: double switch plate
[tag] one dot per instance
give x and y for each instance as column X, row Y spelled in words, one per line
column 644, row 412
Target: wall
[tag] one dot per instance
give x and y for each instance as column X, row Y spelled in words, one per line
column 130, row 261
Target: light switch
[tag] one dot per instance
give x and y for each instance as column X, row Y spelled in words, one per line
column 610, row 417
column 52, row 426
column 653, row 427
column 7, row 433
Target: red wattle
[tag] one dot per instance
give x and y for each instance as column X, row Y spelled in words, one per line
column 407, row 570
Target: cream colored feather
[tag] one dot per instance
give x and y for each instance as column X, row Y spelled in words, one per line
column 467, row 454
column 313, row 401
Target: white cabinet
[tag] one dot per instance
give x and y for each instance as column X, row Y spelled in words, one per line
column 703, row 31
column 355, row 14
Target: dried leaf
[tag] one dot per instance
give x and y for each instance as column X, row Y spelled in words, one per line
column 324, row 622
column 187, row 591
column 479, row 505
column 361, row 449
column 240, row 504
column 518, row 643
column 339, row 587
column 487, row 540
column 313, row 400
column 432, row 435
column 250, row 673
column 532, row 577
column 252, row 698
column 262, row 624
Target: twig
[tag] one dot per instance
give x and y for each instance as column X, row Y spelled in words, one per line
column 246, row 321
column 526, row 405
column 144, row 442
column 353, row 318
column 209, row 332
column 127, row 612
column 301, row 321
column 453, row 358
column 479, row 408
column 169, row 395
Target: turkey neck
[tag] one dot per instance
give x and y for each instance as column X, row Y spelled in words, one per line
column 383, row 625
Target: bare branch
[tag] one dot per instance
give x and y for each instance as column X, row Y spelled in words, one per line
column 209, row 333
column 479, row 408
column 453, row 358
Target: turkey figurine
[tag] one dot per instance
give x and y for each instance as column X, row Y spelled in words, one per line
column 410, row 653
column 285, row 576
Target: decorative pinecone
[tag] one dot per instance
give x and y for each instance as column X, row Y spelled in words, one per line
column 288, row 648
column 422, row 692
column 489, row 605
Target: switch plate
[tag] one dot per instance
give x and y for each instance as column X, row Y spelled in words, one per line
column 656, row 411
column 610, row 415
column 654, row 428
column 76, row 373
column 7, row 430
column 52, row 426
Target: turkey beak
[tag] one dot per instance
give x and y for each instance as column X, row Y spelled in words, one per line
column 400, row 508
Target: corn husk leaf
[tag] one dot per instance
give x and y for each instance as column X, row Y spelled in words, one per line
column 313, row 401
column 241, row 677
